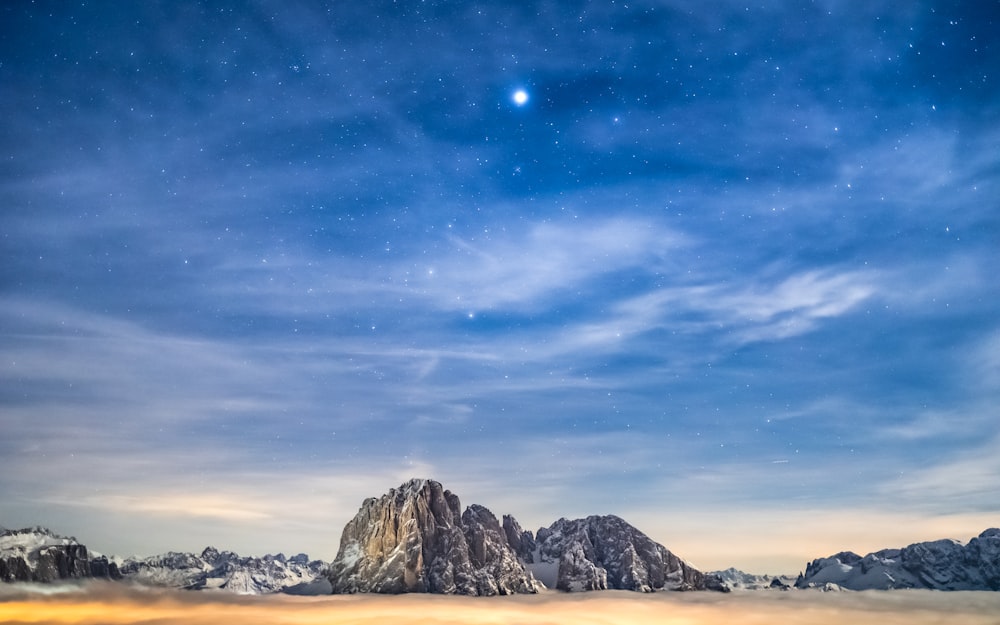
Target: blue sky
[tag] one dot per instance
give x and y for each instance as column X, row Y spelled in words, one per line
column 728, row 272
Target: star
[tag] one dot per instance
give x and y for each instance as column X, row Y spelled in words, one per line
column 520, row 97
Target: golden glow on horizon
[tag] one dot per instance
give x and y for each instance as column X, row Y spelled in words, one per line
column 114, row 607
column 216, row 505
column 783, row 542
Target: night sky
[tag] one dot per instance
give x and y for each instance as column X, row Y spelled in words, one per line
column 727, row 270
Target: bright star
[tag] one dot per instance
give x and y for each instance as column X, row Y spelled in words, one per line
column 520, row 97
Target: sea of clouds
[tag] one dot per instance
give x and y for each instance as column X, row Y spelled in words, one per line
column 112, row 604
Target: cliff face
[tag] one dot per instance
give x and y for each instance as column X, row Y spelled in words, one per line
column 415, row 539
column 38, row 555
column 520, row 540
column 62, row 562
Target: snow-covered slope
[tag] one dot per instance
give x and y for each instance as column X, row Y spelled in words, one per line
column 937, row 565
column 36, row 554
column 224, row 570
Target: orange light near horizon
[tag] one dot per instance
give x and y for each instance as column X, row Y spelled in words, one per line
column 797, row 608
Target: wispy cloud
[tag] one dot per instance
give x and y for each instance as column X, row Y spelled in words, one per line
column 964, row 481
column 983, row 363
column 526, row 271
column 736, row 313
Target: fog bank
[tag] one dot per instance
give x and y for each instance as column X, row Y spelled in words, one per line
column 113, row 604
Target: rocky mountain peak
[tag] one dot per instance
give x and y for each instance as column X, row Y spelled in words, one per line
column 415, row 538
column 210, row 554
column 602, row 552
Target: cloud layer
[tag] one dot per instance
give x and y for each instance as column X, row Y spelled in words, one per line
column 111, row 606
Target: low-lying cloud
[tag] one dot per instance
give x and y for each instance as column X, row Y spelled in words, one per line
column 111, row 604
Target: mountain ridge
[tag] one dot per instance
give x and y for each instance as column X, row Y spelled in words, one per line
column 224, row 570
column 474, row 552
column 943, row 564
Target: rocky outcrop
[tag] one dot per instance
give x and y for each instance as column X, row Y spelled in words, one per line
column 225, row 571
column 498, row 569
column 605, row 552
column 416, row 539
column 104, row 568
column 937, row 565
column 776, row 583
column 38, row 555
column 15, row 569
column 520, row 540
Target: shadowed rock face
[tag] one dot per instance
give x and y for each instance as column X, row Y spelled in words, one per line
column 498, row 570
column 415, row 539
column 520, row 540
column 936, row 565
column 38, row 555
column 605, row 552
column 69, row 561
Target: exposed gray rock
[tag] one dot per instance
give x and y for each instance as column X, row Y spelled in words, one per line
column 937, row 565
column 102, row 567
column 605, row 552
column 778, row 584
column 520, row 540
column 497, row 568
column 38, row 555
column 415, row 539
column 15, row 569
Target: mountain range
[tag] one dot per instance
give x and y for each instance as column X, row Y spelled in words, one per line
column 936, row 565
column 417, row 538
column 36, row 554
column 224, row 570
column 739, row 580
